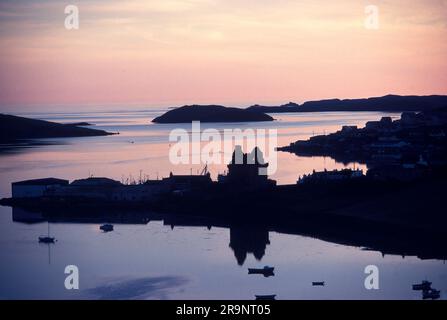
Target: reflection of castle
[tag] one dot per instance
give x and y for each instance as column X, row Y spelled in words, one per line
column 245, row 240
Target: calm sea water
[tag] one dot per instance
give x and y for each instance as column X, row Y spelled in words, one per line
column 155, row 261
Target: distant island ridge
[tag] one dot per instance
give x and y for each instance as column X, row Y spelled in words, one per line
column 14, row 128
column 218, row 113
column 388, row 103
column 211, row 113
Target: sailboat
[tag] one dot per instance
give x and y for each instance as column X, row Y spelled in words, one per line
column 47, row 239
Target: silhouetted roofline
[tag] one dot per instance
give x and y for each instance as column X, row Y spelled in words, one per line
column 92, row 181
column 42, row 182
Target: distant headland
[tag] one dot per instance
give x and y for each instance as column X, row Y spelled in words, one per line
column 211, row 113
column 218, row 113
column 388, row 103
column 14, row 128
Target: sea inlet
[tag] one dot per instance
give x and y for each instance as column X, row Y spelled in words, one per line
column 154, row 256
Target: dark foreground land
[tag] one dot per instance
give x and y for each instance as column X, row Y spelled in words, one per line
column 13, row 128
column 417, row 204
column 402, row 218
column 414, row 205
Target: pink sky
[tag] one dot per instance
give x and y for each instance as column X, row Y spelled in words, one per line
column 219, row 51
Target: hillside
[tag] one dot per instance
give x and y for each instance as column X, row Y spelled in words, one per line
column 211, row 113
column 389, row 103
column 14, row 128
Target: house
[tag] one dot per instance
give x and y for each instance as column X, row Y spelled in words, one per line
column 331, row 176
column 411, row 119
column 96, row 188
column 187, row 182
column 35, row 188
column 347, row 130
column 148, row 191
column 388, row 147
column 96, row 182
column 111, row 190
column 396, row 172
column 385, row 124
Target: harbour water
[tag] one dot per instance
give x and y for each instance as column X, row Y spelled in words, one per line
column 159, row 260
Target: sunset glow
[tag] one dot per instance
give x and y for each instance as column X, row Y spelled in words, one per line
column 163, row 52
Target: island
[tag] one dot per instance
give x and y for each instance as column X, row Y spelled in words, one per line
column 13, row 128
column 211, row 113
column 388, row 103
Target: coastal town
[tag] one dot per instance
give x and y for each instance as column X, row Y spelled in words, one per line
column 406, row 149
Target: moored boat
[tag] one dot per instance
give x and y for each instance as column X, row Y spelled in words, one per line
column 106, row 227
column 266, row 297
column 431, row 294
column 266, row 271
column 425, row 285
column 45, row 239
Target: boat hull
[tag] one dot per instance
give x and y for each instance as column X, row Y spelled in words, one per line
column 266, row 272
column 46, row 240
column 266, row 297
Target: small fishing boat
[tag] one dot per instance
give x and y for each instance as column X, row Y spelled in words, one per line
column 425, row 285
column 45, row 239
column 431, row 294
column 266, row 271
column 266, row 297
column 318, row 283
column 106, row 227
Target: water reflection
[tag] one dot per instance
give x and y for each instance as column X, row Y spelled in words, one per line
column 140, row 288
column 244, row 240
column 253, row 238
